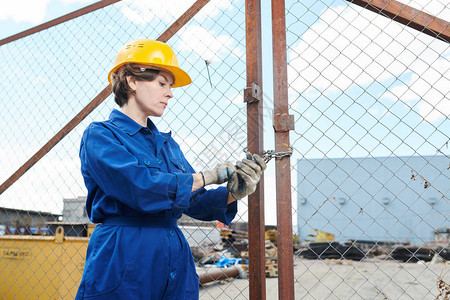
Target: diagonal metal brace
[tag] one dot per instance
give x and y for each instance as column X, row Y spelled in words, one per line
column 409, row 16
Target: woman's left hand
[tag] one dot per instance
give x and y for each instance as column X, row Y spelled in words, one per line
column 247, row 175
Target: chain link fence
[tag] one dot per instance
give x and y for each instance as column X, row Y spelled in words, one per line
column 370, row 99
column 370, row 166
column 52, row 75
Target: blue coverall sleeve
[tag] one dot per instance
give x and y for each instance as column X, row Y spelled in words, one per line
column 211, row 204
column 120, row 176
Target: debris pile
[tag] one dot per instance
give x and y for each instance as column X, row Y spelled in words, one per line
column 325, row 247
column 232, row 252
column 271, row 256
column 331, row 250
column 225, row 253
column 271, row 259
column 408, row 253
column 229, row 259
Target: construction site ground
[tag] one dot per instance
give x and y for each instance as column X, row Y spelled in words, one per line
column 333, row 279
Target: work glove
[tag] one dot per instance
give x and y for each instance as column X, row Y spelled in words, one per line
column 247, row 175
column 220, row 174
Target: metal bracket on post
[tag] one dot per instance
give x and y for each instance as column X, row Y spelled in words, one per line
column 283, row 122
column 253, row 93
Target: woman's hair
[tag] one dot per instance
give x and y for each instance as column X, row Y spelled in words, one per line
column 120, row 86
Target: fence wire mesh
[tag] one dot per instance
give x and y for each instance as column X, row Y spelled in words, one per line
column 370, row 99
column 52, row 75
column 370, row 167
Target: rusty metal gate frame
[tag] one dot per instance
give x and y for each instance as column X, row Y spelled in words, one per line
column 282, row 124
column 252, row 96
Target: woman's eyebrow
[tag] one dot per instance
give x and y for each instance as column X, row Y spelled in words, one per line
column 167, row 80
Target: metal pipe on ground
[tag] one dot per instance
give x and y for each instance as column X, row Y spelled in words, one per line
column 220, row 274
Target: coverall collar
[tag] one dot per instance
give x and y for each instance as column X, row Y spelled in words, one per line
column 129, row 126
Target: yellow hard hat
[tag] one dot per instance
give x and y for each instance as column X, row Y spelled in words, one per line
column 152, row 53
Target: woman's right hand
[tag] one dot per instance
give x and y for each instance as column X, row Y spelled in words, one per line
column 220, row 174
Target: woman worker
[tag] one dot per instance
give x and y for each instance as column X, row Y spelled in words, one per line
column 139, row 183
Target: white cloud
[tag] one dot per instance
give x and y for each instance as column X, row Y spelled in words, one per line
column 213, row 8
column 206, row 44
column 434, row 103
column 193, row 38
column 352, row 46
column 141, row 12
column 191, row 143
column 136, row 17
column 44, row 185
column 31, row 11
column 237, row 99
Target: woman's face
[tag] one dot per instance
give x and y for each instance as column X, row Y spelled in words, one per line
column 152, row 97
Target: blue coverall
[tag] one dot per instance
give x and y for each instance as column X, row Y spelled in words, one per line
column 139, row 183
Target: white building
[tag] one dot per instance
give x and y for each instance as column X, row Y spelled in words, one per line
column 74, row 210
column 396, row 199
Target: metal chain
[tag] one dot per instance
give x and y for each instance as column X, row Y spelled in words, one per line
column 269, row 154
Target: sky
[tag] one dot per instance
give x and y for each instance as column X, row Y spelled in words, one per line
column 359, row 85
column 14, row 18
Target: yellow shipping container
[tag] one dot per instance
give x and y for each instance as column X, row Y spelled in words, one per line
column 41, row 267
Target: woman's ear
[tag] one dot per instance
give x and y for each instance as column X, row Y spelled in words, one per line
column 131, row 80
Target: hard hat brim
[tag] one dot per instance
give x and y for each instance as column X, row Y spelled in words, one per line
column 181, row 78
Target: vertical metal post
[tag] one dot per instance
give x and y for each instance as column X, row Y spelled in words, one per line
column 252, row 96
column 282, row 122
